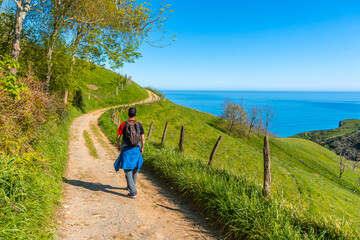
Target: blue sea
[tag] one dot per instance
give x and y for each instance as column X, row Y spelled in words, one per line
column 296, row 112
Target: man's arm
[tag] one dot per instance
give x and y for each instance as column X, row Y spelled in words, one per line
column 142, row 143
column 118, row 142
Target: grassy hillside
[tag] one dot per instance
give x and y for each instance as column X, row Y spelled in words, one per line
column 308, row 197
column 31, row 168
column 344, row 140
column 100, row 82
column 346, row 127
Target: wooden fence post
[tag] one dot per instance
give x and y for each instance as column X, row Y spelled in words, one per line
column 267, row 170
column 182, row 134
column 119, row 121
column 164, row 134
column 150, row 129
column 89, row 95
column 214, row 150
column 117, row 90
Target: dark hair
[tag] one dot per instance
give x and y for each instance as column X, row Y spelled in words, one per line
column 132, row 112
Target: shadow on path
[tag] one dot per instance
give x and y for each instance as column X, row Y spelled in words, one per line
column 95, row 186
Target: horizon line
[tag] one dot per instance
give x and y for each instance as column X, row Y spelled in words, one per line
column 226, row 90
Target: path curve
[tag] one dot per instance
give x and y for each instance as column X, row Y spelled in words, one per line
column 95, row 205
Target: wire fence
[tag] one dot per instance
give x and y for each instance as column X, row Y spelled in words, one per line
column 226, row 160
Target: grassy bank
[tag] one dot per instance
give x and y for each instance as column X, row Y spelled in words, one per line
column 31, row 184
column 308, row 200
column 31, row 171
column 100, row 83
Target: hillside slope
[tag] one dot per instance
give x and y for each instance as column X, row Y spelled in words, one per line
column 345, row 139
column 304, row 174
column 101, row 83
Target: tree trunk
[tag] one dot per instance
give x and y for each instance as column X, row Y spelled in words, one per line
column 66, row 96
column 76, row 45
column 23, row 7
column 49, row 58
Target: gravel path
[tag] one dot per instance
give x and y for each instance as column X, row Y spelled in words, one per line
column 95, row 205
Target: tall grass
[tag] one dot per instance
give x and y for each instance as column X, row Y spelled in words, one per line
column 31, row 171
column 31, row 185
column 307, row 201
column 234, row 203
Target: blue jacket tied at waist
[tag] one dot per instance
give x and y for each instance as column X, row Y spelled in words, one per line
column 129, row 158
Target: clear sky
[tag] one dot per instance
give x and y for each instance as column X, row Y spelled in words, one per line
column 256, row 45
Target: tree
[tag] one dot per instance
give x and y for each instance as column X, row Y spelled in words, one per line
column 253, row 118
column 355, row 159
column 341, row 151
column 96, row 31
column 57, row 18
column 113, row 30
column 7, row 19
column 22, row 9
column 260, row 120
column 269, row 115
column 233, row 114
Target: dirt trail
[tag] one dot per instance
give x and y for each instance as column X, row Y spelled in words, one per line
column 95, row 205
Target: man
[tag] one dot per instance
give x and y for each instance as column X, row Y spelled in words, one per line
column 130, row 158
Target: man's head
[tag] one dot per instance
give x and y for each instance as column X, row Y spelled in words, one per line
column 132, row 112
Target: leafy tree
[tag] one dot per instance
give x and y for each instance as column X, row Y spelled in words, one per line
column 8, row 81
column 234, row 115
column 6, row 27
column 22, row 9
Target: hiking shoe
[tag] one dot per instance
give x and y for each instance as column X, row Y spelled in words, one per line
column 132, row 195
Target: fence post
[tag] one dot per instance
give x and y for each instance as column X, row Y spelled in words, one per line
column 89, row 95
column 150, row 129
column 182, row 134
column 106, row 94
column 214, row 150
column 267, row 170
column 164, row 134
column 117, row 90
column 119, row 121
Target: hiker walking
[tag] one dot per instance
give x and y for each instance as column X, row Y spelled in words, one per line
column 130, row 158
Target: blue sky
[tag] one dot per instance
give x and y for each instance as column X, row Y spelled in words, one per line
column 256, row 45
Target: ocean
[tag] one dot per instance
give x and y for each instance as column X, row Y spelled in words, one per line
column 296, row 112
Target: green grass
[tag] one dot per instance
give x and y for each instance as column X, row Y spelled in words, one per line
column 100, row 138
column 304, row 177
column 103, row 78
column 348, row 126
column 90, row 144
column 31, row 184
